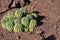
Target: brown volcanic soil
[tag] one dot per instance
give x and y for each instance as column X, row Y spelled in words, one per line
column 49, row 27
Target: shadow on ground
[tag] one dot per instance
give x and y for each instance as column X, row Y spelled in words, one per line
column 27, row 2
column 52, row 37
column 39, row 22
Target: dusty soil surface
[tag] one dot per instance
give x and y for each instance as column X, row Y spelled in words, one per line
column 49, row 21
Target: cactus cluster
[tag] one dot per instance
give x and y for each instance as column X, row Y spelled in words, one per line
column 19, row 21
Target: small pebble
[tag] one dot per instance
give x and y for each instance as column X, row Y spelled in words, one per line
column 18, row 37
column 38, row 32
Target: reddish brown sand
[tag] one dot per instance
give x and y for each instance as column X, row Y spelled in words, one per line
column 50, row 9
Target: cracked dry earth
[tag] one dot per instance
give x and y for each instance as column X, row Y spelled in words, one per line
column 49, row 23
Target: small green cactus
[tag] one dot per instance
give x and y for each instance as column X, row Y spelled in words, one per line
column 9, row 26
column 18, row 28
column 25, row 21
column 10, row 13
column 4, row 21
column 34, row 15
column 18, row 13
column 24, row 11
column 33, row 24
column 29, row 16
column 11, row 18
column 17, row 21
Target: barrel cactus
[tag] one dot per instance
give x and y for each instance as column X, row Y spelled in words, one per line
column 25, row 21
column 9, row 26
column 34, row 15
column 17, row 21
column 10, row 13
column 33, row 24
column 29, row 16
column 18, row 14
column 11, row 18
column 18, row 28
column 24, row 11
column 4, row 21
